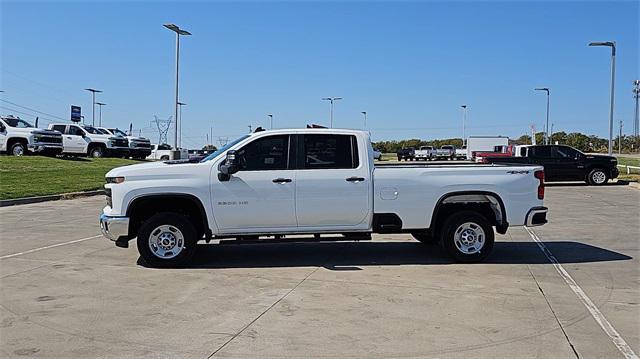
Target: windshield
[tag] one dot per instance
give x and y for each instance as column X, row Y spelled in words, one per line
column 16, row 122
column 223, row 148
column 92, row 130
column 118, row 132
column 103, row 131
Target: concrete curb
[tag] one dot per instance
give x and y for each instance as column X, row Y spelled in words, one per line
column 54, row 197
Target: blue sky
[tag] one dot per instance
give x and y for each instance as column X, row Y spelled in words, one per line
column 410, row 65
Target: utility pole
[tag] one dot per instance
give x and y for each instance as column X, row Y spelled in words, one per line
column 636, row 120
column 179, row 124
column 551, row 133
column 365, row 119
column 546, row 127
column 464, row 121
column 270, row 120
column 620, row 139
column 249, row 128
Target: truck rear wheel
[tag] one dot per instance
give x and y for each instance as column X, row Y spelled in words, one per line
column 167, row 240
column 467, row 236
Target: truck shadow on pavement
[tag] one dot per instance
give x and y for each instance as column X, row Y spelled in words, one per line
column 351, row 255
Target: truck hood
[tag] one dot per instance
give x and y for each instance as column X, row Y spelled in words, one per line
column 140, row 139
column 153, row 170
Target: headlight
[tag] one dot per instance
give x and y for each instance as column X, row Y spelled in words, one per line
column 115, row 179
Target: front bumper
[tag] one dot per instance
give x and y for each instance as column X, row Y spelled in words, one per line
column 46, row 148
column 537, row 216
column 615, row 172
column 118, row 151
column 140, row 152
column 114, row 228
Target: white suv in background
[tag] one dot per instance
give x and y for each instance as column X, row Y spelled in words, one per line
column 18, row 137
column 87, row 140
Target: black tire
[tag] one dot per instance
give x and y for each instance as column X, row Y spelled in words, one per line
column 164, row 158
column 18, row 149
column 477, row 224
column 597, row 177
column 96, row 152
column 151, row 232
column 424, row 237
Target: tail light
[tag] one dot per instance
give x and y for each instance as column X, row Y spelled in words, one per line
column 540, row 176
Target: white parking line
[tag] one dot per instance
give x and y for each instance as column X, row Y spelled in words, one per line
column 47, row 247
column 622, row 346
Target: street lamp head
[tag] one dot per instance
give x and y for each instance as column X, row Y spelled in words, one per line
column 363, row 112
column 603, row 43
column 542, row 89
column 100, row 103
column 93, row 90
column 270, row 115
column 181, row 103
column 463, row 106
column 176, row 29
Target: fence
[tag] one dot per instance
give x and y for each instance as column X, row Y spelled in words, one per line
column 630, row 168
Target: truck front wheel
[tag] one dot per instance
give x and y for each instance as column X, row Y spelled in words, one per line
column 597, row 177
column 467, row 236
column 96, row 152
column 167, row 240
column 18, row 149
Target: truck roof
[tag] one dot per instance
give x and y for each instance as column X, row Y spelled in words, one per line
column 342, row 131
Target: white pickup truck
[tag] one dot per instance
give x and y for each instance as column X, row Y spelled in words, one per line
column 314, row 181
column 89, row 141
column 18, row 137
column 425, row 153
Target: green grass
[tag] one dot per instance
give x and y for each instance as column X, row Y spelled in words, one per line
column 30, row 176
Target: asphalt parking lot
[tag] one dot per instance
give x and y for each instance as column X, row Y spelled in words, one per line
column 69, row 293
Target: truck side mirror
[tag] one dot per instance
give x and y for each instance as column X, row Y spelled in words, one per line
column 229, row 166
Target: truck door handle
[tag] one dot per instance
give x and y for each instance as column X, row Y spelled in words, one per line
column 355, row 179
column 281, row 180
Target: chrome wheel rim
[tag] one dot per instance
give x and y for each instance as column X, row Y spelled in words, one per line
column 599, row 177
column 166, row 241
column 18, row 151
column 96, row 154
column 469, row 238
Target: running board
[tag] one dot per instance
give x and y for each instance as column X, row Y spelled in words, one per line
column 297, row 239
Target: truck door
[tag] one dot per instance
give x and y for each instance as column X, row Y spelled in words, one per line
column 541, row 155
column 332, row 182
column 567, row 163
column 73, row 141
column 261, row 195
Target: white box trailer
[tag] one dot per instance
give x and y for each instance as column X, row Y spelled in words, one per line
column 484, row 144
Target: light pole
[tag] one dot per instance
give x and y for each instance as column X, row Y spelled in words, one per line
column 464, row 121
column 612, row 45
column 93, row 104
column 180, row 104
column 331, row 99
column 546, row 128
column 551, row 134
column 271, row 120
column 365, row 119
column 178, row 32
column 100, row 104
column 636, row 120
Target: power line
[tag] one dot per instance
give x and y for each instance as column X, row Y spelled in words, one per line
column 47, row 120
column 34, row 110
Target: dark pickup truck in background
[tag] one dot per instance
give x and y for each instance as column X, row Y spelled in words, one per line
column 564, row 163
column 406, row 153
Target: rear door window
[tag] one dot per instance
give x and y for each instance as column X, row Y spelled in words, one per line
column 59, row 128
column 75, row 130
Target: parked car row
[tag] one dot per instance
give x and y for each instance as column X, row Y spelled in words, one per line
column 18, row 137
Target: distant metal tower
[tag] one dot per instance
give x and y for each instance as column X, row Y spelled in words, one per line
column 163, row 128
column 636, row 120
